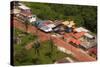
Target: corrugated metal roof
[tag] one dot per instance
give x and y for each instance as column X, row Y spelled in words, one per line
column 68, row 23
column 81, row 29
column 51, row 25
column 77, row 42
column 24, row 7
column 88, row 35
column 79, row 34
column 88, row 45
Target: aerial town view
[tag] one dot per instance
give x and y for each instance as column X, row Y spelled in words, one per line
column 49, row 33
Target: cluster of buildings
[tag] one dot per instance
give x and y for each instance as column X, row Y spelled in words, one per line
column 23, row 12
column 79, row 37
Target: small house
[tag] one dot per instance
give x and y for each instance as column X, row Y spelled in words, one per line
column 68, row 25
column 87, row 45
column 23, row 16
column 24, row 9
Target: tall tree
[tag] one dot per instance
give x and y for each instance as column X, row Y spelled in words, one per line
column 26, row 25
column 51, row 43
column 36, row 46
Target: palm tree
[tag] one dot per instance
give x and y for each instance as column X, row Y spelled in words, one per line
column 36, row 44
column 26, row 25
column 36, row 33
column 51, row 42
column 36, row 47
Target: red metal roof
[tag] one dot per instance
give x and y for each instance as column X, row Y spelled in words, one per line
column 77, row 42
column 79, row 34
column 66, row 36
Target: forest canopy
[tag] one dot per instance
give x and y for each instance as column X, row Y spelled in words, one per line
column 83, row 15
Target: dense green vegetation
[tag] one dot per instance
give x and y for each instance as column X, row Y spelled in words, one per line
column 83, row 15
column 19, row 48
column 40, row 53
column 25, row 38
